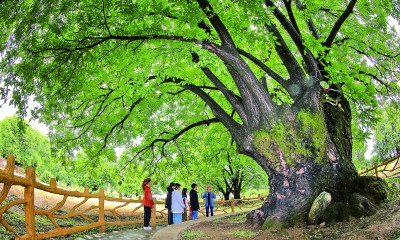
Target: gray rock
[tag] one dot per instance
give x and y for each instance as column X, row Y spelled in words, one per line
column 318, row 207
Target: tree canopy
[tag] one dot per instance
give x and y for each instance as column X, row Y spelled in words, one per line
column 107, row 73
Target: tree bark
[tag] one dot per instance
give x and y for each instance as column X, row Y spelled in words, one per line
column 311, row 153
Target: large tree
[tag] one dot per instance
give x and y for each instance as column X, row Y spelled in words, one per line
column 283, row 77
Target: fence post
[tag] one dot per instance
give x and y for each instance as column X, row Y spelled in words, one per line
column 153, row 213
column 102, row 212
column 9, row 169
column 29, row 196
column 233, row 204
column 53, row 183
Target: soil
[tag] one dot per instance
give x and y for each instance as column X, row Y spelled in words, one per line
column 385, row 224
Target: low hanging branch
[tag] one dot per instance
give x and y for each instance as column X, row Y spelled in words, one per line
column 176, row 136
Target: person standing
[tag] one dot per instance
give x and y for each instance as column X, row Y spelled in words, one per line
column 194, row 202
column 185, row 201
column 148, row 203
column 209, row 197
column 170, row 189
column 177, row 204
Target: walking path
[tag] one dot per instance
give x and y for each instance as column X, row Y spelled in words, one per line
column 170, row 232
column 131, row 234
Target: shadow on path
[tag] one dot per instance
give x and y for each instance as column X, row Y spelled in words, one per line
column 131, row 234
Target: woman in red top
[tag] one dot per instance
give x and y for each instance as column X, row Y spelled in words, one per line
column 147, row 203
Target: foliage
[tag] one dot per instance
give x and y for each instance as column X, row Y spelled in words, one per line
column 393, row 189
column 360, row 149
column 192, row 234
column 396, row 234
column 150, row 77
column 107, row 76
column 106, row 172
column 245, row 233
column 95, row 176
column 237, row 218
column 230, row 173
column 387, row 133
column 254, row 192
column 30, row 147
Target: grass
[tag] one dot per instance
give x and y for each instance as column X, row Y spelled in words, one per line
column 396, row 234
column 245, row 233
column 192, row 235
column 240, row 218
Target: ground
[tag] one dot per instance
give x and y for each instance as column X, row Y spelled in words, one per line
column 385, row 224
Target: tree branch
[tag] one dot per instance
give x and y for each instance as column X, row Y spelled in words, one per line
column 338, row 24
column 288, row 7
column 310, row 23
column 217, row 24
column 297, row 39
column 264, row 67
column 95, row 41
column 120, row 123
column 235, row 100
column 294, row 69
column 177, row 135
column 232, row 126
column 105, row 19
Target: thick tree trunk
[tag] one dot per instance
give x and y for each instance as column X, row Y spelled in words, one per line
column 236, row 193
column 306, row 156
column 226, row 195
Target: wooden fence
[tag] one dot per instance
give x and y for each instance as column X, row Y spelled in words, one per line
column 98, row 215
column 387, row 169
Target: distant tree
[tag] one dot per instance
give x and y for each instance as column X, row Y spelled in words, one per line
column 101, row 173
column 387, row 133
column 30, row 147
column 234, row 173
column 360, row 148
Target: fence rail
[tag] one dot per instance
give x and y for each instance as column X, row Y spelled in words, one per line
column 97, row 215
column 387, row 169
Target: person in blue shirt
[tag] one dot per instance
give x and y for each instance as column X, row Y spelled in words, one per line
column 209, row 197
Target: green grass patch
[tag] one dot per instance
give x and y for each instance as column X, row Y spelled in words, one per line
column 395, row 234
column 245, row 233
column 240, row 218
column 193, row 235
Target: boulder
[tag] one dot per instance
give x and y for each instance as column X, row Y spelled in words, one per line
column 318, row 207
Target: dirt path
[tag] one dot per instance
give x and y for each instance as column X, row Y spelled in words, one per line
column 383, row 225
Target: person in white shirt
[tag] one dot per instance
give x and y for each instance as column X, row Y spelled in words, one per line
column 177, row 204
